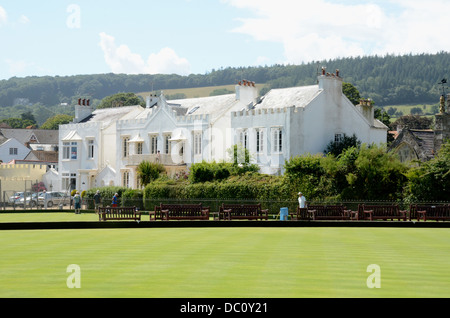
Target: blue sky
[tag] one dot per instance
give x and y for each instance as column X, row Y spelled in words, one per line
column 58, row 37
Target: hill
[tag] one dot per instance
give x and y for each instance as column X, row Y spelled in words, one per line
column 389, row 80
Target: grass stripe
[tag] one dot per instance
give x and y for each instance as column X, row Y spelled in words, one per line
column 226, row 262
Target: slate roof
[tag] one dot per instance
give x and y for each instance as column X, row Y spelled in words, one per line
column 107, row 116
column 286, row 97
column 43, row 136
column 212, row 105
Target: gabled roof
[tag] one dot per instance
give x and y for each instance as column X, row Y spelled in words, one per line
column 213, row 105
column 286, row 97
column 72, row 136
column 41, row 136
column 106, row 116
column 422, row 141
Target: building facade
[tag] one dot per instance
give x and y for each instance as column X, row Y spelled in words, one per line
column 105, row 146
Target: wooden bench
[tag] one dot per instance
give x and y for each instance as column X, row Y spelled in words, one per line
column 301, row 214
column 429, row 212
column 322, row 212
column 381, row 212
column 183, row 212
column 243, row 211
column 119, row 213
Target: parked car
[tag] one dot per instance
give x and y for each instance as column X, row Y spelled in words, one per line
column 30, row 199
column 16, row 198
column 53, row 198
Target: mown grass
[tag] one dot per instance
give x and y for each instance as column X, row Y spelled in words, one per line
column 225, row 262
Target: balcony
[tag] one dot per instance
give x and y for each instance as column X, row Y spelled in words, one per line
column 134, row 160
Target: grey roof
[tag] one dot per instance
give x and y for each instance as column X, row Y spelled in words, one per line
column 43, row 136
column 213, row 105
column 286, row 97
column 106, row 116
column 422, row 141
column 425, row 139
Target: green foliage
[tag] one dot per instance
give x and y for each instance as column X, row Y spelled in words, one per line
column 412, row 122
column 307, row 174
column 382, row 116
column 149, row 171
column 133, row 197
column 365, row 173
column 212, row 171
column 430, row 181
column 351, row 92
column 121, row 99
column 336, row 148
column 18, row 122
column 55, row 121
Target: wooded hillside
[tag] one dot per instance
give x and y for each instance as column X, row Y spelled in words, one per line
column 388, row 80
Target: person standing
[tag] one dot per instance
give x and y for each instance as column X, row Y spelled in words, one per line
column 115, row 200
column 97, row 200
column 77, row 202
column 301, row 200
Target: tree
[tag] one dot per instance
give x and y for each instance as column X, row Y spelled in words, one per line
column 412, row 122
column 430, row 181
column 54, row 122
column 351, row 92
column 149, row 171
column 121, row 99
column 18, row 122
column 382, row 116
column 336, row 148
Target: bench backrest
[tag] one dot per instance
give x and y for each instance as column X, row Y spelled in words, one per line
column 432, row 210
column 242, row 209
column 380, row 210
column 117, row 211
column 183, row 209
column 327, row 210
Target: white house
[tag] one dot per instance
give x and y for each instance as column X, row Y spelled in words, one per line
column 294, row 121
column 104, row 147
column 12, row 149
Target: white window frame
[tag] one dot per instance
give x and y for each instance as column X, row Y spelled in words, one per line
column 167, row 144
column 197, row 142
column 243, row 138
column 338, row 138
column 139, row 148
column 13, row 151
column 259, row 140
column 73, row 150
column 91, row 148
column 153, row 144
column 277, row 140
column 66, row 150
column 125, row 146
column 126, row 178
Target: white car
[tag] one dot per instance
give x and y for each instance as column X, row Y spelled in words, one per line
column 53, row 198
column 17, row 198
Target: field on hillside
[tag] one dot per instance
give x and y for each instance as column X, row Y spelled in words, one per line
column 195, row 92
column 226, row 263
column 428, row 110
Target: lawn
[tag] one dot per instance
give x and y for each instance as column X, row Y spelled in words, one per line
column 225, row 262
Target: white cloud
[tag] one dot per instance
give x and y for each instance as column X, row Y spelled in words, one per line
column 323, row 29
column 24, row 19
column 120, row 59
column 3, row 16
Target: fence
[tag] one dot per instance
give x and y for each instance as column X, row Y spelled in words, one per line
column 66, row 203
